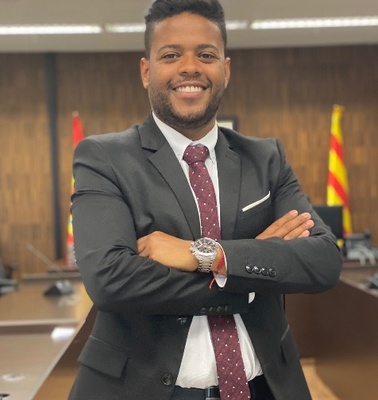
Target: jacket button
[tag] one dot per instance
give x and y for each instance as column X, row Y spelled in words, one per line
column 167, row 379
column 264, row 271
column 203, row 311
column 248, row 268
column 256, row 270
column 228, row 309
column 272, row 272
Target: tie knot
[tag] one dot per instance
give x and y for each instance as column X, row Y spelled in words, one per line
column 194, row 154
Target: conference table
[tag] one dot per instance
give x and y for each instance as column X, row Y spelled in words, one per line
column 37, row 330
column 339, row 329
column 41, row 336
column 346, row 329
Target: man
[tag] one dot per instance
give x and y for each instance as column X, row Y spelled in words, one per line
column 139, row 224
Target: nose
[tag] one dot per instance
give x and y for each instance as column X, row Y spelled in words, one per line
column 190, row 65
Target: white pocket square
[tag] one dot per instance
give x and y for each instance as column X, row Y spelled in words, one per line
column 256, row 203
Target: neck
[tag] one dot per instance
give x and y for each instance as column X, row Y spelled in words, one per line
column 192, row 133
column 195, row 134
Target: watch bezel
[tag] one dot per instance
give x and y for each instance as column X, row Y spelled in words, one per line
column 204, row 250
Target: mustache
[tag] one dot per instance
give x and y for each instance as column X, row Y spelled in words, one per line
column 189, row 79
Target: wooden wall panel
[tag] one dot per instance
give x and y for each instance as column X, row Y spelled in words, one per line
column 284, row 93
column 107, row 92
column 25, row 178
column 289, row 93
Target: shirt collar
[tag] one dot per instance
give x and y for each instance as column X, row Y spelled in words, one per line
column 179, row 142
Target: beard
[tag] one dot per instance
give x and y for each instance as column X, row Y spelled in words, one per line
column 165, row 110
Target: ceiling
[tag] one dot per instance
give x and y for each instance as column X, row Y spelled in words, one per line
column 30, row 12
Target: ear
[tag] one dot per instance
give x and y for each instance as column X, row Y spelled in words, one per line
column 227, row 71
column 145, row 72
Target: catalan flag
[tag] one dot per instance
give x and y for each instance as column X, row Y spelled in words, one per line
column 77, row 135
column 337, row 187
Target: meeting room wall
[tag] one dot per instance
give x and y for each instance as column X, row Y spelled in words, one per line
column 286, row 93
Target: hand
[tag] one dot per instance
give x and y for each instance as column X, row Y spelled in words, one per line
column 291, row 226
column 168, row 250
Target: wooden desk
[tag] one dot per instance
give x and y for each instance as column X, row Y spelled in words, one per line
column 29, row 324
column 346, row 332
column 302, row 310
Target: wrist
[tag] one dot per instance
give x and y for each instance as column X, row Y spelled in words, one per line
column 219, row 264
column 205, row 250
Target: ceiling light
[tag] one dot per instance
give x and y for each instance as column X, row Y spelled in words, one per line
column 125, row 28
column 141, row 27
column 236, row 25
column 49, row 29
column 315, row 23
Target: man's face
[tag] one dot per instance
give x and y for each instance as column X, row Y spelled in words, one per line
column 186, row 73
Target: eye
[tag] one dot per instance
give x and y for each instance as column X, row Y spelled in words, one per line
column 170, row 56
column 207, row 57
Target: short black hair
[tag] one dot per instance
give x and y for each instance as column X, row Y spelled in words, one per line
column 162, row 9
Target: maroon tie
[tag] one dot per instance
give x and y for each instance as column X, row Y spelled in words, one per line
column 232, row 379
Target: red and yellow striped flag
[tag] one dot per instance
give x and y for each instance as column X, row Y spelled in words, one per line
column 337, row 187
column 77, row 135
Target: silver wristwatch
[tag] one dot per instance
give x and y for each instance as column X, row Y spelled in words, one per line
column 204, row 250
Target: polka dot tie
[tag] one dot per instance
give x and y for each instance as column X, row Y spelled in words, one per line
column 203, row 188
column 232, row 380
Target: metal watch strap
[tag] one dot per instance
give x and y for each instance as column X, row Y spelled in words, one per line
column 205, row 265
column 204, row 257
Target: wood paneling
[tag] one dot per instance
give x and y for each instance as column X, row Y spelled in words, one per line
column 107, row 92
column 289, row 93
column 25, row 178
column 285, row 93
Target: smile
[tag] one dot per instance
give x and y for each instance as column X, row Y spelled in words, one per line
column 189, row 89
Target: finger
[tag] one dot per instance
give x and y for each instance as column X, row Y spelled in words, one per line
column 279, row 223
column 295, row 224
column 141, row 249
column 304, row 234
column 294, row 227
column 142, row 245
column 302, row 230
column 289, row 216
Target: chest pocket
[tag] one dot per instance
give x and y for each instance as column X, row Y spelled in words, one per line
column 254, row 218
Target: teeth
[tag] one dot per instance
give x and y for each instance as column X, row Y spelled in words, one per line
column 189, row 89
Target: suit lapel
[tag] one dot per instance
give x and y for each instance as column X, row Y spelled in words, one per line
column 165, row 161
column 229, row 173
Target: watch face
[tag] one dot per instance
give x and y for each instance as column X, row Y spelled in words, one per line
column 206, row 246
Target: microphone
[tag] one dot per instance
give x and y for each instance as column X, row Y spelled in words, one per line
column 52, row 266
column 61, row 287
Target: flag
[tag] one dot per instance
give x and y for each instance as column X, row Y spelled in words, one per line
column 77, row 135
column 337, row 187
column 77, row 129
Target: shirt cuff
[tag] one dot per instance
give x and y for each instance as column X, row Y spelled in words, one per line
column 221, row 279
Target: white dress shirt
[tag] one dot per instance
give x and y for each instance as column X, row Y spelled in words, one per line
column 198, row 366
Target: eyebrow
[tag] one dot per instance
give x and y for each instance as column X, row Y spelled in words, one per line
column 179, row 47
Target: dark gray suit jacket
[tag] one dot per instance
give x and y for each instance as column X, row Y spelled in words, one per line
column 130, row 184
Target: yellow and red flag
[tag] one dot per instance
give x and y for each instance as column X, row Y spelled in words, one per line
column 337, row 187
column 77, row 135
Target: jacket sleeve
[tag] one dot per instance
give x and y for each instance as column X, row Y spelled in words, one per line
column 303, row 265
column 116, row 277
